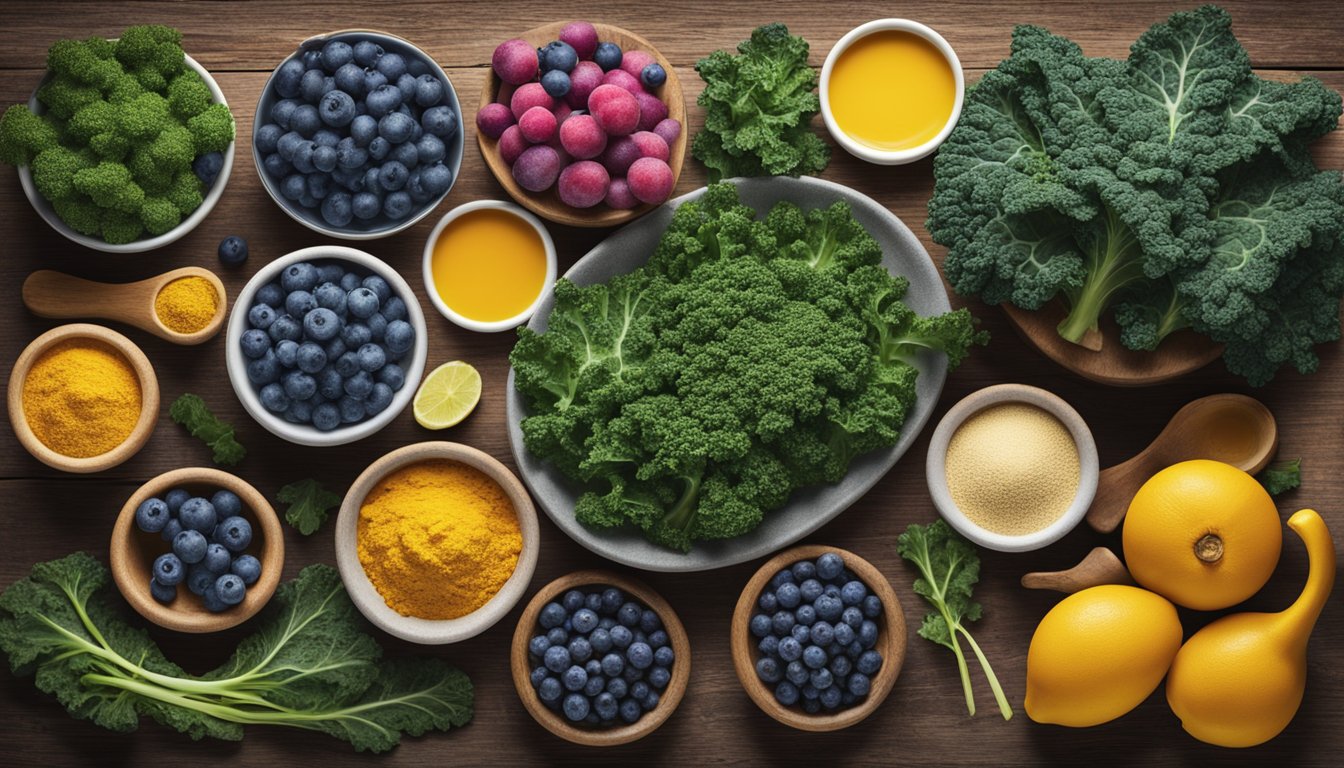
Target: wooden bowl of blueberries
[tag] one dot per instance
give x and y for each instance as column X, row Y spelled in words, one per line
column 197, row 550
column 600, row 659
column 818, row 638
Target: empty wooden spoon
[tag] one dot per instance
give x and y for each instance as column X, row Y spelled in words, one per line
column 1101, row 566
column 47, row 293
column 1235, row 429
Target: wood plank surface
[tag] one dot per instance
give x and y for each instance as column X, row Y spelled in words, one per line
column 48, row 514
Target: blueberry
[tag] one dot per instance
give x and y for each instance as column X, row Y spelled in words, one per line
column 217, row 558
column 347, row 365
column 809, row 692
column 273, row 398
column 306, row 121
column 796, row 672
column 790, row 649
column 392, row 65
column 829, row 608
column 558, row 55
column 334, row 349
column 359, row 386
column 658, row 639
column 576, row 706
column 552, row 615
column 557, row 658
column 377, row 325
column 296, row 386
column 336, row 109
column 769, row 645
column 574, row 678
column 324, row 160
column 189, row 546
column 539, row 674
column 822, row 633
column 829, row 566
column 373, row 80
column 366, row 205
column 392, row 176
column 844, row 634
column 852, row 617
column 197, row 514
column 853, row 593
column 840, row 666
column 287, row 78
column 768, row 670
column 326, row 417
column 396, row 127
column 361, row 303
column 804, row 570
column 310, row 358
column 247, row 568
column 537, row 646
column 356, row 335
column 600, row 639
column 428, row 91
column 440, row 121
column 383, row 100
column 350, row 79
column 162, row 592
column 400, row 338
column 287, row 352
column 830, row 697
column 226, row 503
column 336, row 209
column 299, row 412
column 640, row 655
column 859, row 684
column 152, row 515
column 326, row 138
column 872, row 606
column 558, row 636
column 199, row 578
column 230, row 589
column 652, row 75
column 621, row 636
column 786, row 693
column 436, row 179
column 584, row 620
column 406, row 84
column 232, row 251
column 617, row 687
column 810, row 590
column 802, row 633
column 550, row 689
column 814, row 657
column 349, row 156
column 782, row 622
column 608, row 56
column 207, row 167
column 378, row 149
column 336, row 54
column 366, row 53
column 282, row 111
column 170, row 530
column 429, row 149
column 604, row 704
column 276, row 166
column 319, row 323
column 649, row 621
column 664, row 656
column 391, row 375
column 168, row 570
column 868, row 634
column 594, row 686
column 580, row 649
column 352, row 410
column 293, row 187
column 266, row 137
column 613, row 664
column 788, row 595
column 630, row 710
column 556, row 83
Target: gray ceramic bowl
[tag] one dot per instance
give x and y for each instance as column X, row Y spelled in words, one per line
column 808, row 509
column 379, row 226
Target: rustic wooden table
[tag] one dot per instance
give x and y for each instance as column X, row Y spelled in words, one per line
column 924, row 722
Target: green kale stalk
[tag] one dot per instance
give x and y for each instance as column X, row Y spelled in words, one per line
column 1171, row 190
column 747, row 359
column 759, row 107
column 310, row 665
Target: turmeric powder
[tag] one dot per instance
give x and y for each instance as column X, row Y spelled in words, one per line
column 81, row 398
column 187, row 304
column 438, row 539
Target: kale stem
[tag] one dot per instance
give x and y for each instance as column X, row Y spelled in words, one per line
column 1005, row 708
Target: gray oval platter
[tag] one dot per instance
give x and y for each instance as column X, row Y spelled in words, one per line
column 808, row 509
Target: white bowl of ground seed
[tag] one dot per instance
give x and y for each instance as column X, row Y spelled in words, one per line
column 1012, row 467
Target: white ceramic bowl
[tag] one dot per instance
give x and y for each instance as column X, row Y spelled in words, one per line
column 496, row 325
column 434, row 631
column 936, row 466
column 307, row 434
column 884, row 156
column 212, row 195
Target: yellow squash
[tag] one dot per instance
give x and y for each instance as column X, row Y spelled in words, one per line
column 1098, row 654
column 1238, row 682
column 1202, row 534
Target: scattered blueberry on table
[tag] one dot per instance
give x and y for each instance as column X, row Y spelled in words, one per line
column 816, row 630
column 358, row 133
column 324, row 344
column 208, row 539
column 232, row 251
column 600, row 658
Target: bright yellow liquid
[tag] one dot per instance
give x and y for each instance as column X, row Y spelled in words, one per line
column 892, row 90
column 488, row 265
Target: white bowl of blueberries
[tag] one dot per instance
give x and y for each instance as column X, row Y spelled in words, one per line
column 358, row 134
column 325, row 345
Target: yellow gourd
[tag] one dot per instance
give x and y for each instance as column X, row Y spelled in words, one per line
column 1238, row 682
column 1098, row 654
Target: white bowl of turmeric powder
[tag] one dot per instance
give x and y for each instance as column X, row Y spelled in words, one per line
column 436, row 542
column 1012, row 467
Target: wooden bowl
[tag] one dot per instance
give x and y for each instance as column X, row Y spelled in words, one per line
column 599, row 736
column 434, row 631
column 1103, row 359
column 547, row 204
column 890, row 642
column 149, row 398
column 133, row 553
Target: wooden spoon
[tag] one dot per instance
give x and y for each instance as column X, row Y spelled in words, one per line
column 1101, row 566
column 1235, row 429
column 47, row 293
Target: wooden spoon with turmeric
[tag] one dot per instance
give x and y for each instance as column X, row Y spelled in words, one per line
column 185, row 306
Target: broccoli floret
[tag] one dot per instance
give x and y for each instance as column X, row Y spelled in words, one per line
column 188, row 95
column 212, row 129
column 150, row 79
column 185, row 192
column 172, row 150
column 124, row 89
column 80, row 60
column 64, row 96
column 54, row 172
column 159, row 215
column 152, row 48
column 144, row 117
column 110, row 146
column 119, row 228
column 23, row 135
column 91, row 120
column 80, row 214
column 110, row 186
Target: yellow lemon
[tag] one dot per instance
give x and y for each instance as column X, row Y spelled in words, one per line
column 1098, row 654
column 447, row 395
column 1203, row 534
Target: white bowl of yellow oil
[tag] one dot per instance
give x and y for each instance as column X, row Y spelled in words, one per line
column 488, row 264
column 1013, row 468
column 891, row 91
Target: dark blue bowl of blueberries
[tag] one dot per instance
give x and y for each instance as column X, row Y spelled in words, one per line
column 325, row 345
column 358, row 134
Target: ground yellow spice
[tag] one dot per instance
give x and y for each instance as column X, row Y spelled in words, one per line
column 1012, row 468
column 81, row 398
column 438, row 539
column 187, row 304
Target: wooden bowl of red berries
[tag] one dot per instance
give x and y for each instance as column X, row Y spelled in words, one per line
column 818, row 638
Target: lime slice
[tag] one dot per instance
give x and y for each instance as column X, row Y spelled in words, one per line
column 448, row 394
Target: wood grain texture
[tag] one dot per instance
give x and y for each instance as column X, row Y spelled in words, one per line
column 924, row 720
